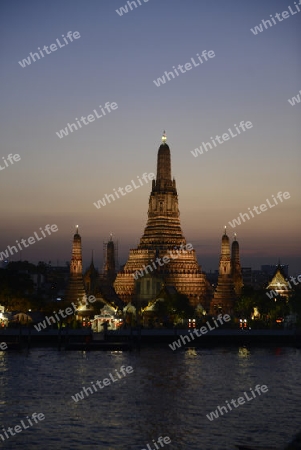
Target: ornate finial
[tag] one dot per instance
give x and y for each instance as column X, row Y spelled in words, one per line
column 76, row 229
column 225, row 230
column 164, row 137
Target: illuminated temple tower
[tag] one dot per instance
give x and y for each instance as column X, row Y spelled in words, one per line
column 236, row 267
column 224, row 295
column 75, row 289
column 163, row 237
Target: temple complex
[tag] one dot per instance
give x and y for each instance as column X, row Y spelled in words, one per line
column 162, row 260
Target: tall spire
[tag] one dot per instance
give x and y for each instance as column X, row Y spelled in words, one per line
column 163, row 162
column 110, row 263
column 224, row 264
column 75, row 289
column 163, row 226
column 224, row 295
column 162, row 236
column 76, row 260
column 236, row 267
column 235, row 252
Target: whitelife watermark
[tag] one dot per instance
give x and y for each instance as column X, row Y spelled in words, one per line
column 128, row 188
column 188, row 66
column 31, row 240
column 124, row 9
column 241, row 401
column 72, row 127
column 3, row 346
column 11, row 158
column 53, row 48
column 223, row 138
column 203, row 330
column 285, row 15
column 68, row 311
column 173, row 254
column 283, row 287
column 161, row 440
column 295, row 100
column 86, row 391
column 263, row 207
column 36, row 417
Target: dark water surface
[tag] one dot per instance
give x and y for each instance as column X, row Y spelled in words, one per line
column 168, row 394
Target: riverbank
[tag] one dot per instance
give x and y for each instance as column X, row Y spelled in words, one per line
column 135, row 337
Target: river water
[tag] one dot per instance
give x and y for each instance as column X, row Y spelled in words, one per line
column 167, row 394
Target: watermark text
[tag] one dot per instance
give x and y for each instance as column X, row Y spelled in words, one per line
column 280, row 17
column 161, row 440
column 167, row 76
column 31, row 240
column 124, row 9
column 173, row 254
column 184, row 339
column 295, row 100
column 86, row 391
column 90, row 118
column 53, row 48
column 68, row 311
column 284, row 287
column 128, row 188
column 11, row 158
column 18, row 428
column 236, row 403
column 221, row 139
column 263, row 207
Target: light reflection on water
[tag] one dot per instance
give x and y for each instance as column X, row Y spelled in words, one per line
column 168, row 394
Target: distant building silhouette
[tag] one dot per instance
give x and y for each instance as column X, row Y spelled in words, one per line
column 91, row 279
column 247, row 276
column 110, row 260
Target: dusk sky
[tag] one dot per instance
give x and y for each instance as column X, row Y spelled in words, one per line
column 116, row 59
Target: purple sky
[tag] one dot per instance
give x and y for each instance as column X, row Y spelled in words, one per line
column 116, row 59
